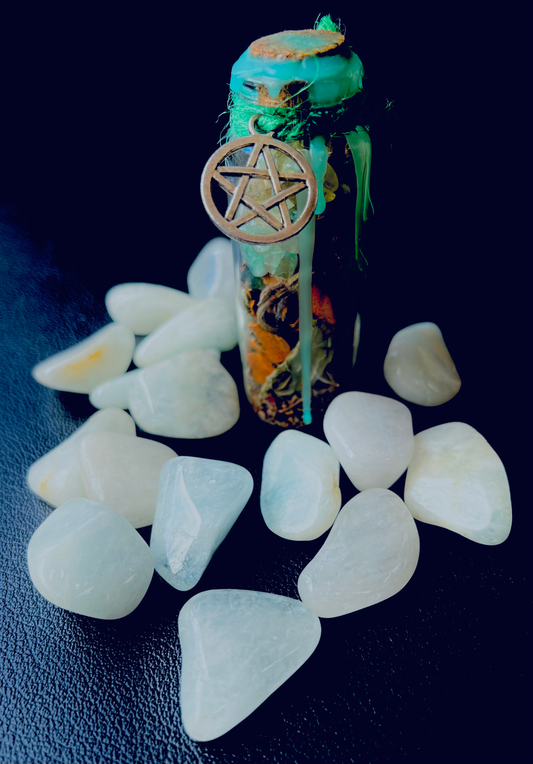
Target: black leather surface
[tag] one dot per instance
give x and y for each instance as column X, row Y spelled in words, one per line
column 433, row 675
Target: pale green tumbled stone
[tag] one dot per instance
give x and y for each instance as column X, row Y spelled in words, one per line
column 208, row 324
column 212, row 272
column 238, row 647
column 370, row 554
column 115, row 392
column 189, row 396
column 123, row 472
column 56, row 477
column 300, row 494
column 199, row 501
column 457, row 480
column 105, row 354
column 87, row 559
column 143, row 307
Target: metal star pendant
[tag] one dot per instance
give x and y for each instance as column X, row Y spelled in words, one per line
column 282, row 226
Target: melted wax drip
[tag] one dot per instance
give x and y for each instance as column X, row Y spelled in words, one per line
column 306, row 242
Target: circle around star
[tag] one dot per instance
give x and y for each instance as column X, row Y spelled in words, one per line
column 217, row 171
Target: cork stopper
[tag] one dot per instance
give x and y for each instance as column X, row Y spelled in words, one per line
column 295, row 45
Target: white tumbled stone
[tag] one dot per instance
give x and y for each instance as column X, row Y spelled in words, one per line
column 114, row 393
column 189, row 396
column 238, row 647
column 87, row 559
column 208, row 324
column 372, row 437
column 123, row 472
column 199, row 501
column 370, row 554
column 457, row 480
column 56, row 477
column 419, row 367
column 300, row 494
column 143, row 307
column 82, row 367
column 212, row 273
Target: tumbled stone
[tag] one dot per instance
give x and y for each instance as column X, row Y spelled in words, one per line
column 87, row 559
column 370, row 554
column 56, row 477
column 143, row 307
column 300, row 494
column 82, row 367
column 199, row 501
column 457, row 480
column 114, row 393
column 189, row 396
column 123, row 472
column 419, row 367
column 208, row 324
column 372, row 437
column 212, row 273
column 238, row 647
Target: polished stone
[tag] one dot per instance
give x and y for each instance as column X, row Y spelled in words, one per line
column 372, row 437
column 238, row 647
column 143, row 307
column 123, row 472
column 56, row 477
column 199, row 501
column 370, row 554
column 300, row 494
column 86, row 558
column 189, row 396
column 105, row 354
column 212, row 273
column 457, row 480
column 419, row 367
column 115, row 392
column 208, row 324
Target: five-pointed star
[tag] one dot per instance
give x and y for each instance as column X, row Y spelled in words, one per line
column 251, row 170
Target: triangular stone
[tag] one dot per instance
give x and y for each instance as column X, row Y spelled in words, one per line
column 419, row 367
column 56, row 477
column 199, row 501
column 123, row 472
column 208, row 324
column 238, row 647
column 105, row 354
column 143, row 307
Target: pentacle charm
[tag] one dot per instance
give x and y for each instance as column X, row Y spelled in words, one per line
column 284, row 217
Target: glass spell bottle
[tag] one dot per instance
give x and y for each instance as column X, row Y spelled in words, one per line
column 297, row 298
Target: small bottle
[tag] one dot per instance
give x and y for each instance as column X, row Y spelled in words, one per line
column 297, row 298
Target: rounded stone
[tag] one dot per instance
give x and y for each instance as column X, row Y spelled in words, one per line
column 211, row 274
column 419, row 367
column 457, row 480
column 372, row 436
column 143, row 307
column 88, row 559
column 300, row 494
column 370, row 554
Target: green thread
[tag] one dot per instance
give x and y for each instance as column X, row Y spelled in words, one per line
column 326, row 23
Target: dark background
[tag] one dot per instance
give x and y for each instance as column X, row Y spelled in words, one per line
column 108, row 119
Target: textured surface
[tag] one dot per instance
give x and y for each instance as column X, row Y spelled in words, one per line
column 199, row 500
column 419, row 367
column 372, row 436
column 369, row 555
column 238, row 647
column 457, row 480
column 300, row 495
column 123, row 472
column 97, row 139
column 86, row 558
